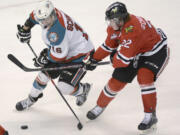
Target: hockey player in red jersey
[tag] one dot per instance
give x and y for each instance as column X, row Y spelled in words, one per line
column 135, row 47
column 3, row 131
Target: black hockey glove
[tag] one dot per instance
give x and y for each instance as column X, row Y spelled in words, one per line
column 24, row 36
column 112, row 55
column 42, row 60
column 90, row 63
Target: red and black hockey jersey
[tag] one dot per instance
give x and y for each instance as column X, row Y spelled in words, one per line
column 137, row 36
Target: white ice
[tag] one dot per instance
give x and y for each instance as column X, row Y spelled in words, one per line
column 50, row 115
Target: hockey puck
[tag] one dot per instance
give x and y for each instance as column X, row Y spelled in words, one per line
column 24, row 127
column 79, row 126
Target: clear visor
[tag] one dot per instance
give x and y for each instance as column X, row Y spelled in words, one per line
column 114, row 23
column 47, row 22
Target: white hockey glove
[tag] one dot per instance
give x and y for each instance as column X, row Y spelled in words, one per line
column 42, row 60
column 23, row 35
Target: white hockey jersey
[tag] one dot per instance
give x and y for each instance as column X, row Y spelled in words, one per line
column 66, row 39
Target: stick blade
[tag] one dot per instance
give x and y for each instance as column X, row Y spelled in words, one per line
column 13, row 59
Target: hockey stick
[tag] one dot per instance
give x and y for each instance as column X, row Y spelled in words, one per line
column 26, row 69
column 79, row 126
column 32, row 49
column 65, row 66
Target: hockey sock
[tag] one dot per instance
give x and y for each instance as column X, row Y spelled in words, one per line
column 41, row 81
column 109, row 92
column 77, row 89
column 35, row 92
column 149, row 102
column 39, row 84
column 68, row 89
column 148, row 90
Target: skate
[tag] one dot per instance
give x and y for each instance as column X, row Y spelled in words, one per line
column 81, row 99
column 95, row 112
column 148, row 125
column 26, row 103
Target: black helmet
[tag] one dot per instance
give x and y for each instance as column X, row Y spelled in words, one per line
column 117, row 10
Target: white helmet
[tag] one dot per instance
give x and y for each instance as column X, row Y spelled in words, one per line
column 43, row 12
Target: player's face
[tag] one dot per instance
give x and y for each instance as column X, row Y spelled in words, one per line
column 115, row 23
column 47, row 22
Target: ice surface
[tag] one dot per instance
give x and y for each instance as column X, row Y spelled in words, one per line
column 51, row 116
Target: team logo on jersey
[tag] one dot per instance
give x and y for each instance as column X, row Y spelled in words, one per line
column 53, row 37
column 129, row 29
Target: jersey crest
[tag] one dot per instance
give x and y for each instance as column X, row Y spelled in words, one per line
column 53, row 37
column 129, row 29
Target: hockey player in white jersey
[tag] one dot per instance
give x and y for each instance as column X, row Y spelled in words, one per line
column 66, row 43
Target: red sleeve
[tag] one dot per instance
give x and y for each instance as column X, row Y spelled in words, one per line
column 100, row 54
column 107, row 47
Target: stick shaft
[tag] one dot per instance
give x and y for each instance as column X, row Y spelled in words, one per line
column 57, row 88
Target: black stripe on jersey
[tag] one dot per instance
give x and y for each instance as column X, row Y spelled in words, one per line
column 150, row 89
column 161, row 43
column 111, row 94
column 158, row 46
column 164, row 38
column 126, row 60
column 108, row 48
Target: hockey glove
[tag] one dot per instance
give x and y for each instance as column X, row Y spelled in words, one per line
column 23, row 35
column 42, row 60
column 90, row 63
